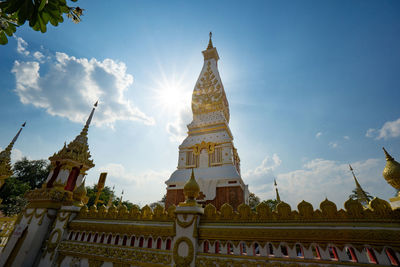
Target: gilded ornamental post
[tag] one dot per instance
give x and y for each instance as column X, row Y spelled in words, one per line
column 186, row 225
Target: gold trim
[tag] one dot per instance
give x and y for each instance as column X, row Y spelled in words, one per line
column 185, row 224
column 183, row 261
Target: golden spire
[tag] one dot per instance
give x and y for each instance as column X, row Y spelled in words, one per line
column 210, row 44
column 79, row 194
column 391, row 173
column 78, row 149
column 191, row 191
column 278, row 198
column 363, row 198
column 5, row 158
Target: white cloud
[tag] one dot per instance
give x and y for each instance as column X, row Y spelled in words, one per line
column 71, row 85
column 16, row 155
column 177, row 129
column 38, row 55
column 370, row 132
column 346, row 137
column 318, row 135
column 333, row 144
column 320, row 178
column 141, row 189
column 21, row 46
column 390, row 129
column 261, row 178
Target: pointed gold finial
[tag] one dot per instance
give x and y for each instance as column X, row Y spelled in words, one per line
column 79, row 194
column 210, row 44
column 391, row 172
column 191, row 191
column 388, row 157
column 78, row 149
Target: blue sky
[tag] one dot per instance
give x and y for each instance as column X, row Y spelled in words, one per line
column 312, row 86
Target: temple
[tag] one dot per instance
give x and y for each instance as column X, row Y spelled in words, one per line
column 208, row 149
column 205, row 221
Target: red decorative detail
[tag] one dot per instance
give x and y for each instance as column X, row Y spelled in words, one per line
column 201, row 196
column 54, row 176
column 73, row 175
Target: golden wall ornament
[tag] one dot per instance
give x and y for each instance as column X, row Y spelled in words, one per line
column 116, row 254
column 184, row 224
column 209, row 95
column 209, row 146
column 378, row 211
column 183, row 261
column 51, row 245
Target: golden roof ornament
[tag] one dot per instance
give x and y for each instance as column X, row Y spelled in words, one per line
column 79, row 194
column 5, row 158
column 78, row 149
column 191, row 191
column 391, row 172
column 210, row 44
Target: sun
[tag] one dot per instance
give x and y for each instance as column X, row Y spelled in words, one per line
column 171, row 93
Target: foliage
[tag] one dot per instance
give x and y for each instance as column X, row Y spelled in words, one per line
column 160, row 202
column 33, row 172
column 38, row 13
column 104, row 197
column 356, row 195
column 272, row 203
column 253, row 201
column 28, row 174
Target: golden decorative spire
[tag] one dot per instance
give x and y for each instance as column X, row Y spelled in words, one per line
column 391, row 173
column 363, row 198
column 5, row 158
column 210, row 44
column 78, row 149
column 79, row 194
column 191, row 191
column 278, row 198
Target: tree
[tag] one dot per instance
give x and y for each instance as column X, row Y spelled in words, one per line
column 160, row 202
column 33, row 172
column 272, row 203
column 360, row 195
column 38, row 13
column 104, row 197
column 253, row 201
column 27, row 175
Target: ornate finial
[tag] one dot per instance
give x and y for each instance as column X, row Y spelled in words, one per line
column 191, row 191
column 210, row 44
column 77, row 150
column 79, row 194
column 388, row 157
column 391, row 173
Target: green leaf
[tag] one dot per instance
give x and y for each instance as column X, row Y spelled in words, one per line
column 42, row 4
column 3, row 38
